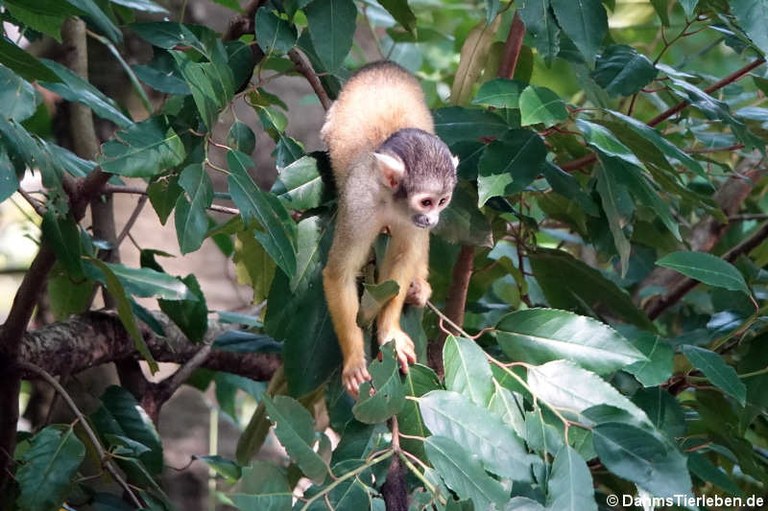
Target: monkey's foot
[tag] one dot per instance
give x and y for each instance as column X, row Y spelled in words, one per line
column 354, row 374
column 404, row 348
column 418, row 292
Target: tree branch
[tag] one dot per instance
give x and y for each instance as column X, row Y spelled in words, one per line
column 303, row 67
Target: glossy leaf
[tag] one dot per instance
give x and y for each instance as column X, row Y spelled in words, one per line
column 294, row 428
column 585, row 290
column 542, row 27
column 570, row 486
column 467, row 370
column 191, row 316
column 659, row 364
column 539, row 105
column 63, row 235
column 720, row 374
column 482, row 433
column 463, row 474
column 462, row 222
column 541, row 335
column 18, row 98
column 127, row 418
column 611, row 191
column 241, row 136
column 223, row 467
column 401, row 11
column 278, row 237
column 638, row 456
column 211, row 83
column 564, row 385
column 584, row 22
column 97, row 17
column 274, row 33
column 191, row 219
column 622, row 71
column 142, row 6
column 751, row 15
column 142, row 150
column 706, row 268
column 384, row 396
column 147, row 283
column 73, row 87
column 499, row 93
column 510, row 164
column 103, row 272
column 299, row 186
column 419, row 381
column 48, row 468
column 375, row 296
column 331, row 28
column 23, row 63
column 454, row 124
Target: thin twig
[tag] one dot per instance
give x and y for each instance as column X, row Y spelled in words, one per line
column 38, row 206
column 303, row 67
column 102, row 453
column 135, row 190
column 131, row 220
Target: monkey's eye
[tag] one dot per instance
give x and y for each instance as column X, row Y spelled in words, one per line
column 426, row 203
column 442, row 202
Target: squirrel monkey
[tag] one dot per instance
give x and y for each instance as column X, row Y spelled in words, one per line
column 393, row 173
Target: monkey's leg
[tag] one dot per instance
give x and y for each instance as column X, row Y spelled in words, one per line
column 406, row 259
column 340, row 285
column 419, row 289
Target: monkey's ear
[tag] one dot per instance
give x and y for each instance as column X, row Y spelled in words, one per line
column 455, row 161
column 391, row 168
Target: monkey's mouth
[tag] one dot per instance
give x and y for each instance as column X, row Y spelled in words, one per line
column 422, row 221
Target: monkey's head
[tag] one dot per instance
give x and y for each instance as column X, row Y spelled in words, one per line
column 421, row 172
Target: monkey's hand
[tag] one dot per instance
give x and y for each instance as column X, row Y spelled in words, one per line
column 353, row 375
column 404, row 348
column 418, row 292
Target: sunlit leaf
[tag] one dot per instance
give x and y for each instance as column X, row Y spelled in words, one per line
column 706, row 268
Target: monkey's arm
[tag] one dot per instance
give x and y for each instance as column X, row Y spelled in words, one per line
column 349, row 251
column 406, row 259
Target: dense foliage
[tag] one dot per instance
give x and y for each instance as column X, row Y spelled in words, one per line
column 600, row 266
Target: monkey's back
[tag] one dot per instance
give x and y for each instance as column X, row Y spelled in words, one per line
column 377, row 101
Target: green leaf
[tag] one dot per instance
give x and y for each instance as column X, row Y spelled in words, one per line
column 564, row 385
column 211, row 83
column 18, row 98
column 570, row 486
column 191, row 218
column 482, row 433
column 510, row 164
column 720, row 374
column 663, row 409
column 509, row 407
column 463, row 474
column 541, row 335
column 584, row 22
column 610, row 193
column 331, row 28
column 162, row 74
column 278, row 237
column 144, row 149
column 706, row 268
column 294, row 428
column 191, row 316
column 689, row 6
column 585, row 289
column 401, row 11
column 523, row 504
column 127, row 418
column 542, row 27
column 299, row 186
column 419, row 381
column 600, row 138
column 66, row 295
column 454, row 124
column 142, row 5
column 462, row 222
column 375, row 296
column 9, row 182
column 44, row 16
column 73, row 87
column 145, row 282
column 99, row 19
column 389, row 396
column 222, row 466
column 253, row 266
column 539, row 105
column 467, row 370
column 622, row 71
column 102, row 272
column 658, row 368
column 27, row 66
column 311, row 352
column 274, row 33
column 168, row 35
column 751, row 15
column 241, row 137
column 63, row 235
column 638, row 456
column 48, row 468
column 499, row 93
column 163, row 195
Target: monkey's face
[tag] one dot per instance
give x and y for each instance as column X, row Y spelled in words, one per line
column 425, row 208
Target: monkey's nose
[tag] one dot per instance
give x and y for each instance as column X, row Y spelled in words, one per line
column 422, row 221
